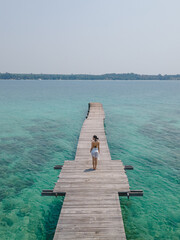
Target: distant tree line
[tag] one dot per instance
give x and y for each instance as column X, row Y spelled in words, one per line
column 110, row 76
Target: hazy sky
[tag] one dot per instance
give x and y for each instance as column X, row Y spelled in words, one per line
column 90, row 36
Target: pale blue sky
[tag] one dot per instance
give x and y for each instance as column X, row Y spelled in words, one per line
column 90, row 36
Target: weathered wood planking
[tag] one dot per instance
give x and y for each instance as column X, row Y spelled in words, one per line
column 91, row 208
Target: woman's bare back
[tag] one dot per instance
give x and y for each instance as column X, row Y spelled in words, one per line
column 95, row 144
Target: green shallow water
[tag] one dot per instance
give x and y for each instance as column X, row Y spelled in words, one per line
column 40, row 122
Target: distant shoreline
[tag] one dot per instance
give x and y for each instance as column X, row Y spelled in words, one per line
column 109, row 76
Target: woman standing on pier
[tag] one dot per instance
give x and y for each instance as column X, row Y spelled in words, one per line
column 95, row 150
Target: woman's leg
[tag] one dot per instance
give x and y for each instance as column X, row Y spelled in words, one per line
column 95, row 160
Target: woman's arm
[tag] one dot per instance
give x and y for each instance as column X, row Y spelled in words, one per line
column 91, row 147
column 99, row 147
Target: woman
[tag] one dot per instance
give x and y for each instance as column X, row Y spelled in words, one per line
column 95, row 150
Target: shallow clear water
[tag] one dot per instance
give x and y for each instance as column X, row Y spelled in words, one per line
column 40, row 122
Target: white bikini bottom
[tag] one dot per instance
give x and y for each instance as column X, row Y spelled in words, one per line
column 95, row 153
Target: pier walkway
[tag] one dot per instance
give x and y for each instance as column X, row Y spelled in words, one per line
column 91, row 208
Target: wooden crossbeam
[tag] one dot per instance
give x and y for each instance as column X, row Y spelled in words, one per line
column 128, row 167
column 51, row 193
column 58, row 167
column 132, row 193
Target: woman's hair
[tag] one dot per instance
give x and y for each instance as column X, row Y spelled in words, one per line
column 95, row 137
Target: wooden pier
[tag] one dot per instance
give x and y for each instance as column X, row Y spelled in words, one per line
column 91, row 208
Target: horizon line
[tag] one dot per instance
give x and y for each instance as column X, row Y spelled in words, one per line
column 91, row 74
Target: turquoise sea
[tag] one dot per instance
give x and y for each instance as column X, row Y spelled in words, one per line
column 40, row 122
